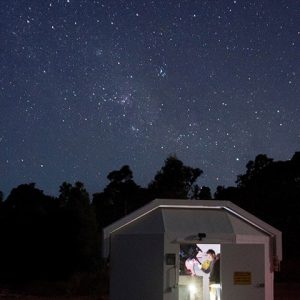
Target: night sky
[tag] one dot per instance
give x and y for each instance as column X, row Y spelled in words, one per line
column 89, row 86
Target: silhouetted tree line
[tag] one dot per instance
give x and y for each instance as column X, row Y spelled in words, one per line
column 53, row 238
column 271, row 190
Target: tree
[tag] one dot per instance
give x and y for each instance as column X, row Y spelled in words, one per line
column 1, row 199
column 81, row 236
column 25, row 224
column 227, row 193
column 174, row 180
column 254, row 168
column 120, row 197
column 203, row 193
column 120, row 176
column 271, row 191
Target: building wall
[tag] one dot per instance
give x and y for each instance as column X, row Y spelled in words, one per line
column 137, row 266
column 171, row 272
column 269, row 274
column 138, row 245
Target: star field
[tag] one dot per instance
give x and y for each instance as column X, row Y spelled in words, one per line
column 88, row 86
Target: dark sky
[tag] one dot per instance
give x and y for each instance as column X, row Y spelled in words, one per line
column 88, row 86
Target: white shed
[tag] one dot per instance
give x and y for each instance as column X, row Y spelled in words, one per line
column 152, row 252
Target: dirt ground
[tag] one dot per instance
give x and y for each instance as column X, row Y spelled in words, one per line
column 282, row 291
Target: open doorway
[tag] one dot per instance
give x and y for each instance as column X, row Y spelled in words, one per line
column 241, row 272
column 199, row 263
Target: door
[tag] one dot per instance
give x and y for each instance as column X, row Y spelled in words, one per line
column 242, row 272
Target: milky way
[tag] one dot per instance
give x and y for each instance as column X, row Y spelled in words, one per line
column 88, row 86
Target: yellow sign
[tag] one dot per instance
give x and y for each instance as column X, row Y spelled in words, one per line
column 242, row 278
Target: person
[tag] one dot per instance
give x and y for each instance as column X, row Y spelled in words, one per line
column 199, row 262
column 214, row 277
column 208, row 264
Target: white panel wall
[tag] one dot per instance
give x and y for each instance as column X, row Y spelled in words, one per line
column 137, row 263
column 269, row 274
column 171, row 273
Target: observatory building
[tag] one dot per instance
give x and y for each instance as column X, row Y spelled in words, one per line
column 173, row 249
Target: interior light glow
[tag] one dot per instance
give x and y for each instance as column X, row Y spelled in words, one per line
column 192, row 288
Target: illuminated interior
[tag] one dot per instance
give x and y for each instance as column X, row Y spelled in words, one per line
column 199, row 275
